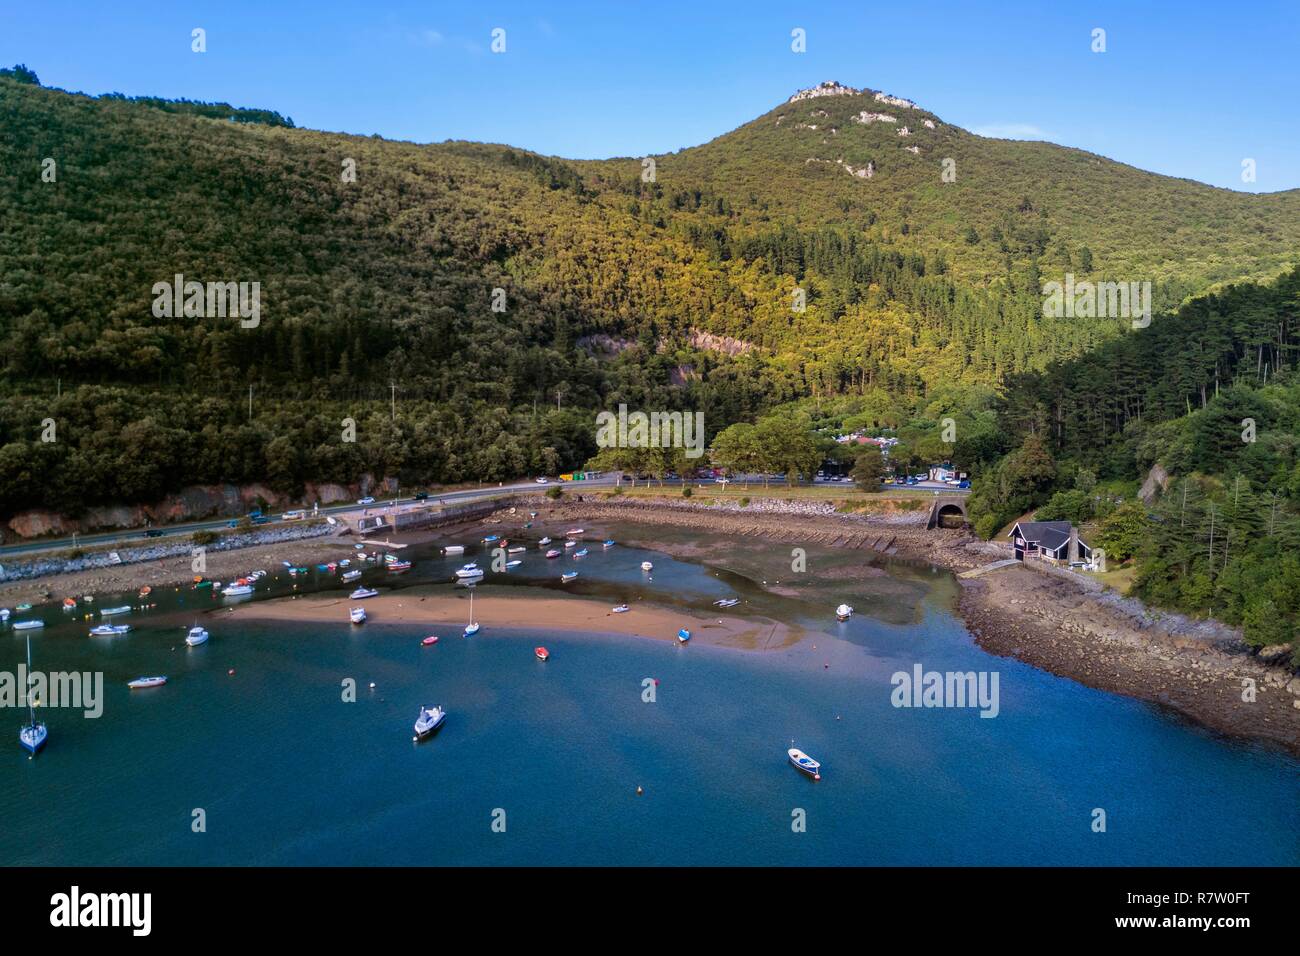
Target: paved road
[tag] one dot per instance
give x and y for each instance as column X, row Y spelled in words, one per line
column 136, row 535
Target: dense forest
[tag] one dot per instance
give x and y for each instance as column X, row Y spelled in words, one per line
column 470, row 307
column 1207, row 402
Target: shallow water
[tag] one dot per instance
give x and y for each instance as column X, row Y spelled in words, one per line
column 288, row 772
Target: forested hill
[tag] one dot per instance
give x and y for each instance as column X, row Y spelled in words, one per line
column 670, row 293
column 1206, row 402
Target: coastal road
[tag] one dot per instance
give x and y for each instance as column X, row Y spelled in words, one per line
column 136, row 535
column 463, row 496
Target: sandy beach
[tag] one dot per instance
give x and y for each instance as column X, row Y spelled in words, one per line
column 446, row 615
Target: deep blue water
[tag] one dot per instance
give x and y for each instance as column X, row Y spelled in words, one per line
column 288, row 773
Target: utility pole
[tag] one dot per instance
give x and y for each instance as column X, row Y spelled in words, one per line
column 250, row 403
column 393, row 386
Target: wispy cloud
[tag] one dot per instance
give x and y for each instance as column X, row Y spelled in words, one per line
column 1011, row 131
column 427, row 38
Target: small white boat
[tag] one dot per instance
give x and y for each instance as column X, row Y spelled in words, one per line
column 608, row 544
column 514, row 564
column 570, row 544
column 568, row 576
column 472, row 627
column 727, row 602
column 109, row 630
column 553, row 553
column 358, row 615
column 574, row 532
column 454, row 549
column 349, row 576
column 237, row 590
column 141, row 682
column 362, row 593
column 27, row 625
column 196, row 636
column 108, row 611
column 31, row 735
column 805, row 764
column 470, row 570
column 544, row 542
column 430, row 720
column 843, row 612
column 580, row 554
column 647, row 566
column 4, row 613
column 622, row 609
column 517, row 549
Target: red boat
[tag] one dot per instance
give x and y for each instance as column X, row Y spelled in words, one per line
column 431, row 639
column 542, row 653
column 397, row 567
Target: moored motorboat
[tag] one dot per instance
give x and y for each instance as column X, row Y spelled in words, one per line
column 514, row 564
column 574, row 532
column 727, row 602
column 683, row 635
column 431, row 639
column 4, row 613
column 349, row 576
column 358, row 615
column 141, row 682
column 568, row 576
column 430, row 720
column 621, row 609
column 544, row 542
column 553, row 553
column 109, row 611
column 647, row 566
column 109, row 630
column 454, row 549
column 517, row 549
column 843, row 612
column 196, row 636
column 28, row 625
column 398, row 567
column 542, row 653
column 580, row 554
column 362, row 593
column 237, row 590
column 146, row 591
column 69, row 604
column 471, row 570
column 608, row 544
column 491, row 538
column 570, row 544
column 805, row 764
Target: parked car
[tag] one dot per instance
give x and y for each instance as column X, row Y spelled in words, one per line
column 964, row 483
column 421, row 496
column 293, row 515
column 153, row 533
column 367, row 500
column 542, row 481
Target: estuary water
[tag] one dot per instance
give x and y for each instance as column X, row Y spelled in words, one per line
column 539, row 763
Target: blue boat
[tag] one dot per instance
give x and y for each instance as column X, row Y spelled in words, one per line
column 608, row 544
column 683, row 635
column 805, row 764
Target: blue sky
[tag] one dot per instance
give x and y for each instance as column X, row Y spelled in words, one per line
column 1186, row 89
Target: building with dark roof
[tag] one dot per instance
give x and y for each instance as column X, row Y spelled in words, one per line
column 1051, row 540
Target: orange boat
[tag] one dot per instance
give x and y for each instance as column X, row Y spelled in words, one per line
column 542, row 653
column 146, row 591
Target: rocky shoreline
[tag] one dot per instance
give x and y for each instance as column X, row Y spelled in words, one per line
column 1059, row 622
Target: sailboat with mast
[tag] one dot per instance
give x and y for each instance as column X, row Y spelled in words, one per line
column 33, row 734
column 472, row 628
